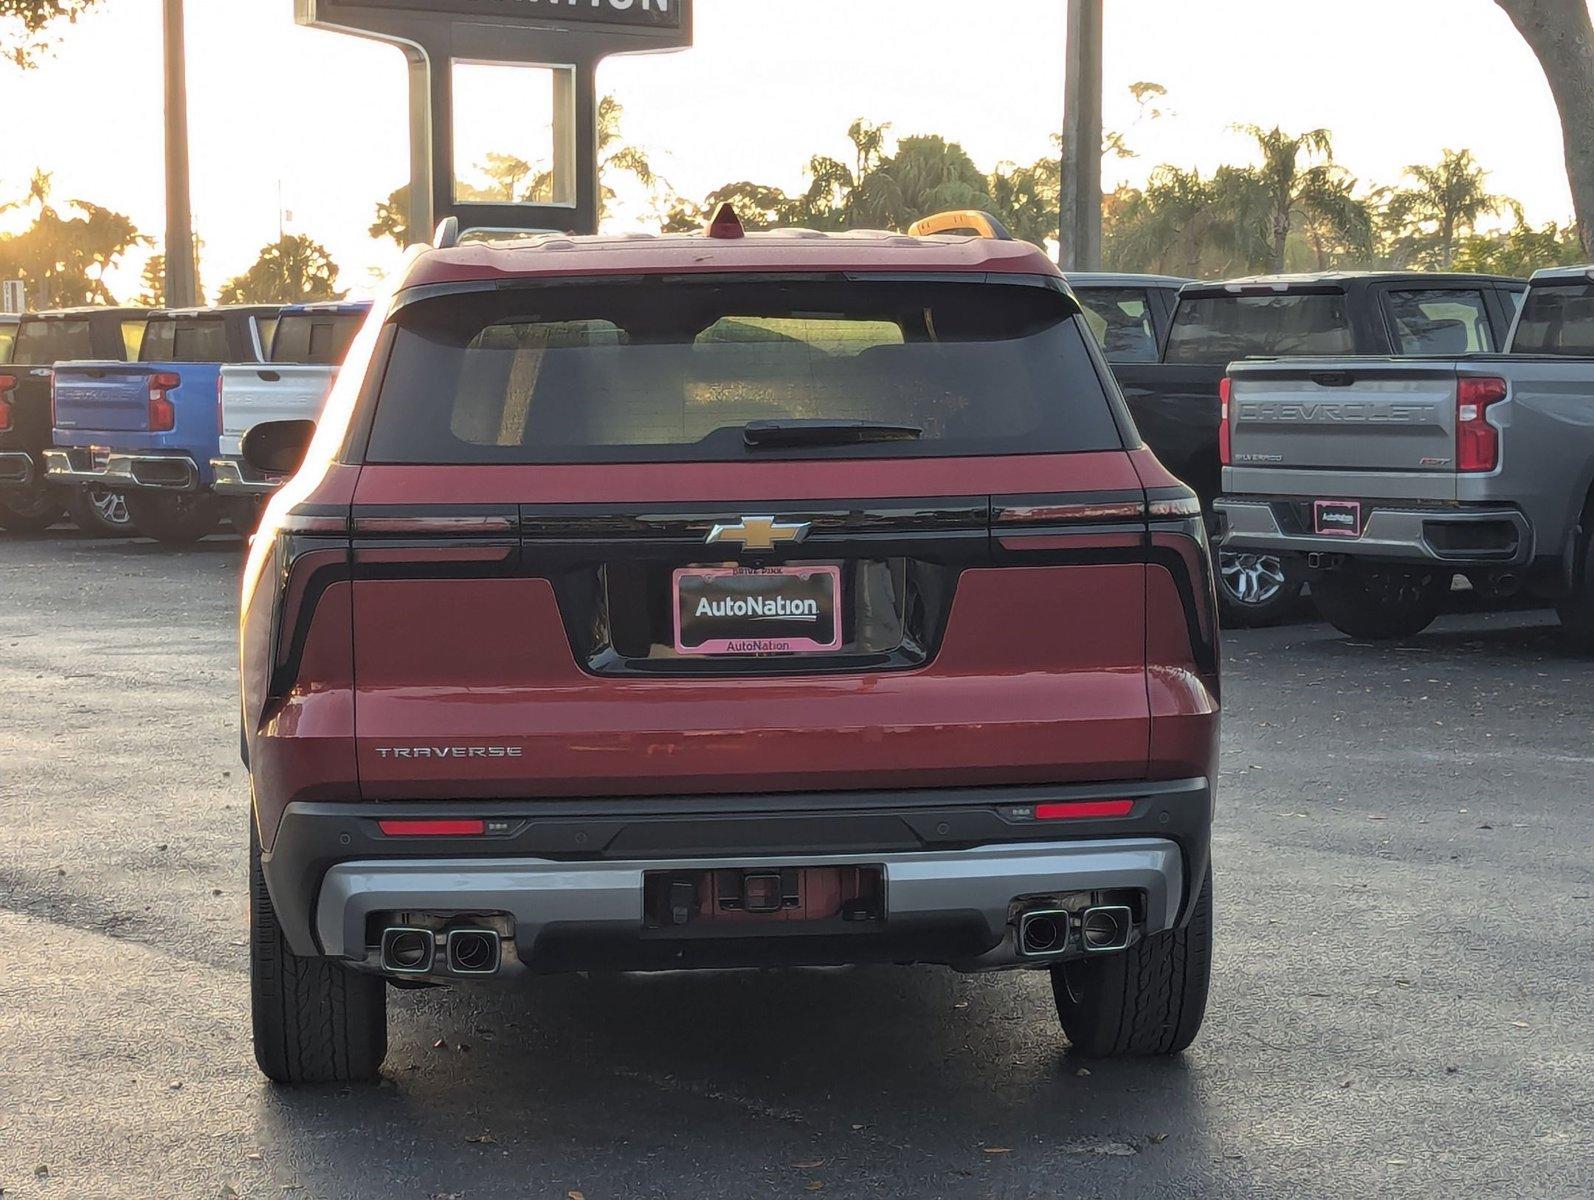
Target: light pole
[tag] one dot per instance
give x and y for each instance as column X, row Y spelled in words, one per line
column 1079, row 240
column 182, row 289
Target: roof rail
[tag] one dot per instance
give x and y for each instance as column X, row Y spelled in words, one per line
column 982, row 223
column 447, row 235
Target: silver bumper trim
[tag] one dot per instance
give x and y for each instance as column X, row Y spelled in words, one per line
column 122, row 472
column 231, row 480
column 16, row 468
column 1390, row 533
column 541, row 893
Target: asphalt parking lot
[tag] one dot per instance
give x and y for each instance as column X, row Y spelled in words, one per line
column 1405, row 958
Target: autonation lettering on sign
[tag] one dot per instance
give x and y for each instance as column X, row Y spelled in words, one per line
column 760, row 608
column 663, row 14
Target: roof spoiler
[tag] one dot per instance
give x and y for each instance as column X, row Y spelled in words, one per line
column 981, row 223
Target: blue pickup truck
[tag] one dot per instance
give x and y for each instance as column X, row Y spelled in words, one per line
column 148, row 429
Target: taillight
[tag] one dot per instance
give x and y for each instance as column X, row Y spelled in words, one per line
column 162, row 412
column 1082, row 810
column 8, row 384
column 1477, row 441
column 1225, row 435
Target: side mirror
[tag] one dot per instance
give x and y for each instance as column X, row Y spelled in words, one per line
column 277, row 447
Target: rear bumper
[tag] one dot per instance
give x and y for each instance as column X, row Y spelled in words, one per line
column 953, row 862
column 1462, row 536
column 234, row 479
column 123, row 472
column 17, row 469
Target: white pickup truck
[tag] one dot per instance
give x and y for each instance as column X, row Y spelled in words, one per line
column 307, row 348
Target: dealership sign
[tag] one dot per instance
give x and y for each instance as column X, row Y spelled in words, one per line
column 647, row 14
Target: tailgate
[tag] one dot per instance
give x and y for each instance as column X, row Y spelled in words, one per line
column 252, row 394
column 102, row 396
column 1373, row 427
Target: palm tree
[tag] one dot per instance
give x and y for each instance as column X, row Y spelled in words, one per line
column 1444, row 205
column 1295, row 191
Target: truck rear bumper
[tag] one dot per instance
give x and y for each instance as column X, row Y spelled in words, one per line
column 17, row 469
column 234, row 479
column 569, row 877
column 1460, row 536
column 123, row 472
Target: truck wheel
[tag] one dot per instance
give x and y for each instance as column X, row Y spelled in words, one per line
column 1577, row 610
column 315, row 1021
column 31, row 509
column 100, row 512
column 1256, row 589
column 176, row 519
column 1146, row 1000
column 1381, row 604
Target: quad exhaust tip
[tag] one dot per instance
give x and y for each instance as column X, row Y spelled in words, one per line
column 1043, row 932
column 408, row 951
column 1106, row 928
column 474, row 951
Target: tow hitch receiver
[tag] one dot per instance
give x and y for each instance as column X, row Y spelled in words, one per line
column 761, row 895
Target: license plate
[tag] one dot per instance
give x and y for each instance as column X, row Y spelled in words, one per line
column 768, row 610
column 1338, row 518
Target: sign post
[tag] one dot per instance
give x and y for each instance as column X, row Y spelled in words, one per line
column 571, row 37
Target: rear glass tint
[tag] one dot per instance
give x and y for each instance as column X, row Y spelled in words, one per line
column 1220, row 329
column 185, row 340
column 1121, row 320
column 320, row 338
column 47, row 342
column 640, row 372
column 1441, row 321
column 8, row 337
column 1557, row 320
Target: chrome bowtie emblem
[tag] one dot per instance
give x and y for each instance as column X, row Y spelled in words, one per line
column 759, row 533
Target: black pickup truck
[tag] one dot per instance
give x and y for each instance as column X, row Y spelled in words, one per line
column 1176, row 401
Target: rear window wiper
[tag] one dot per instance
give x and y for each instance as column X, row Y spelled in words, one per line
column 821, row 432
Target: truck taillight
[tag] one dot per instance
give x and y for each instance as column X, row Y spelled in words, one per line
column 1477, row 441
column 8, row 384
column 162, row 412
column 1225, row 435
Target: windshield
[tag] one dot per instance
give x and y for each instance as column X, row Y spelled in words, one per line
column 681, row 371
column 1221, row 329
column 45, row 343
column 1557, row 320
column 320, row 338
column 1121, row 320
column 185, row 340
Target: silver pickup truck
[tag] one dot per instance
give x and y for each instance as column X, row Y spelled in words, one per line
column 1389, row 476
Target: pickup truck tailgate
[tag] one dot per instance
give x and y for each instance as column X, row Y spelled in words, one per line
column 254, row 393
column 1351, row 427
column 102, row 396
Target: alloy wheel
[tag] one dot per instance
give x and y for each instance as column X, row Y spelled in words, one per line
column 1251, row 578
column 109, row 506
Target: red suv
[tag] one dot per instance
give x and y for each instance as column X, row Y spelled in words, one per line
column 720, row 600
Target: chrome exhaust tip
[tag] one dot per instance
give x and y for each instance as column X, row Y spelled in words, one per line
column 408, row 951
column 1106, row 928
column 1043, row 932
column 474, row 951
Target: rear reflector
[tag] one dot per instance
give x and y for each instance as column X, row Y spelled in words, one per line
column 434, row 828
column 1083, row 810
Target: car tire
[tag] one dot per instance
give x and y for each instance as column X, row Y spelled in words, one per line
column 30, row 510
column 1256, row 590
column 315, row 1020
column 176, row 519
column 1144, row 1001
column 100, row 512
column 1577, row 610
column 1380, row 605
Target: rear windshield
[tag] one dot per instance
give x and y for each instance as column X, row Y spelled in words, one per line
column 314, row 338
column 676, row 371
column 45, row 343
column 1434, row 321
column 1121, row 320
column 186, row 340
column 8, row 337
column 1557, row 320
column 1220, row 329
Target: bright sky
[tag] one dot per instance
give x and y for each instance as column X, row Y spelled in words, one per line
column 769, row 83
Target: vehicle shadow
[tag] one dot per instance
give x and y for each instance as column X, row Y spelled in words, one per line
column 888, row 1081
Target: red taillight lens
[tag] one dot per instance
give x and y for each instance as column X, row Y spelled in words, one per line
column 162, row 413
column 1477, row 441
column 433, row 828
column 1079, row 810
column 8, row 384
column 1225, row 435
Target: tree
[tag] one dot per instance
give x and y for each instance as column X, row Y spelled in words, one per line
column 1520, row 250
column 1561, row 36
column 927, row 174
column 392, row 216
column 25, row 26
column 294, row 270
column 1295, row 191
column 1028, row 199
column 64, row 256
column 1449, row 197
